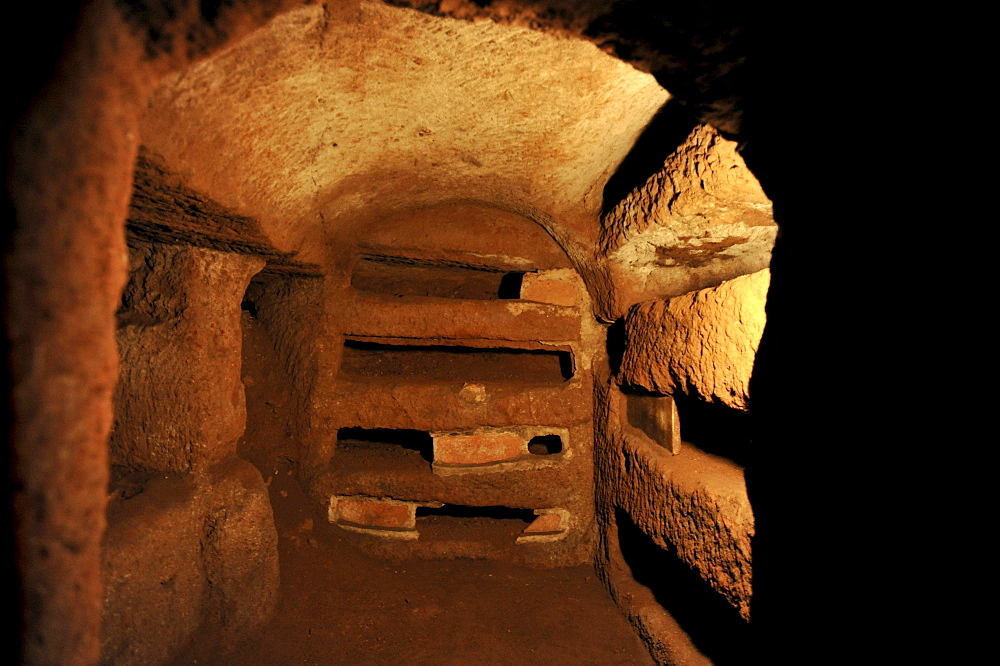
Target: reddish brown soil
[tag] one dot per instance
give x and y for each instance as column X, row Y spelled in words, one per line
column 338, row 606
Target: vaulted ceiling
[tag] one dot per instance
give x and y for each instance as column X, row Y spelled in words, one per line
column 313, row 125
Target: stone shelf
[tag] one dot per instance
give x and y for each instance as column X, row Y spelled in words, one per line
column 374, row 402
column 699, row 500
column 460, row 408
column 373, row 315
column 395, row 472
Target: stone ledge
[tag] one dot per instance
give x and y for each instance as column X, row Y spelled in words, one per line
column 702, row 513
column 441, row 318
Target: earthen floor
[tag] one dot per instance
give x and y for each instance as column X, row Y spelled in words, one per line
column 337, row 606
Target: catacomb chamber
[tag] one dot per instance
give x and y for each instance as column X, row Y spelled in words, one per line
column 437, row 285
column 450, row 387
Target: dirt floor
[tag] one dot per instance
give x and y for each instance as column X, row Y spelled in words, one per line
column 338, row 606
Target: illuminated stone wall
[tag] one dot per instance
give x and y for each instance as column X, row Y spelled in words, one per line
column 277, row 140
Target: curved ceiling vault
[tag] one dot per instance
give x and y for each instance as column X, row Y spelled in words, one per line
column 315, row 123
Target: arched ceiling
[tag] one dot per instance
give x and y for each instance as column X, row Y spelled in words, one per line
column 317, row 123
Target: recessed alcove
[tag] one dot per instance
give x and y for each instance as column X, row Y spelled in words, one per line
column 249, row 307
column 490, row 524
column 399, row 277
column 438, row 362
column 715, row 428
column 387, row 442
column 545, row 445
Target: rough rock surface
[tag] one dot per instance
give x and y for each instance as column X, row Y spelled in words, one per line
column 224, row 126
column 444, row 365
column 191, row 541
column 690, row 508
column 333, row 113
column 694, row 505
column 180, row 405
column 163, row 209
column 67, row 190
column 703, row 343
column 705, row 177
column 290, row 311
column 693, row 48
column 182, row 554
column 701, row 219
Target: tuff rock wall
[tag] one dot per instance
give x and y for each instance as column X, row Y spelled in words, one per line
column 79, row 124
column 70, row 159
column 702, row 343
column 665, row 501
column 190, row 541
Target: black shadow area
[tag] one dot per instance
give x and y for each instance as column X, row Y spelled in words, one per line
column 664, row 133
column 545, row 445
column 713, row 624
column 616, row 344
column 412, row 440
column 714, row 428
column 490, row 512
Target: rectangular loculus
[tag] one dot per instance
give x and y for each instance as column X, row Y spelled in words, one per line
column 375, row 515
column 487, row 449
column 477, row 449
column 655, row 415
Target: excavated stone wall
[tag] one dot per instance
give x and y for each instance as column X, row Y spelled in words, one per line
column 292, row 313
column 682, row 502
column 703, row 343
column 692, row 505
column 699, row 220
column 65, row 264
column 479, row 374
column 179, row 493
column 180, row 406
column 191, row 541
column 187, row 555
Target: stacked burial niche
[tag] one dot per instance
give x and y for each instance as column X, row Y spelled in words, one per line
column 459, row 415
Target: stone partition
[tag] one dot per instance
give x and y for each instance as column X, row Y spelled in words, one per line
column 292, row 311
column 179, row 401
column 187, row 555
column 191, row 543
